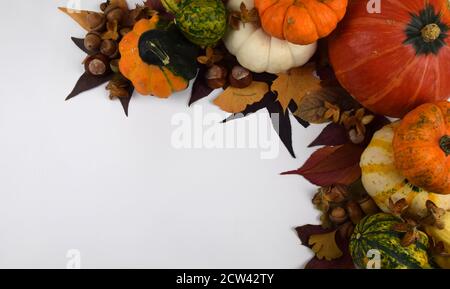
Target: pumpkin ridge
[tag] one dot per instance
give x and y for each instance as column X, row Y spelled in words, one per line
column 271, row 5
column 412, row 99
column 308, row 7
column 331, row 8
column 392, row 84
column 361, row 62
column 169, row 81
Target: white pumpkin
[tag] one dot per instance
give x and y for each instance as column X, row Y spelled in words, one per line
column 259, row 52
column 383, row 181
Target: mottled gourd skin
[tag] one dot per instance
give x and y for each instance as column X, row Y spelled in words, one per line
column 375, row 233
column 422, row 146
column 383, row 181
column 203, row 22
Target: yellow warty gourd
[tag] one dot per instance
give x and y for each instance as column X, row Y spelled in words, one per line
column 383, row 181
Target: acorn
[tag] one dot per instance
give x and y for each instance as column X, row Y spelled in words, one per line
column 103, row 6
column 354, row 212
column 109, row 48
column 97, row 65
column 338, row 215
column 114, row 13
column 240, row 77
column 368, row 206
column 216, row 76
column 96, row 21
column 92, row 41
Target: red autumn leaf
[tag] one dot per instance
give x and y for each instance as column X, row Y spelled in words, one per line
column 344, row 262
column 332, row 135
column 332, row 165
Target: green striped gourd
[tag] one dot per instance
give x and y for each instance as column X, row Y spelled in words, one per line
column 203, row 22
column 383, row 181
column 375, row 233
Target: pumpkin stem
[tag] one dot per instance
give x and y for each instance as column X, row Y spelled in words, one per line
column 161, row 54
column 430, row 32
column 444, row 143
column 171, row 5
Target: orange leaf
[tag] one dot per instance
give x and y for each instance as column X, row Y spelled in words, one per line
column 295, row 84
column 80, row 16
column 235, row 100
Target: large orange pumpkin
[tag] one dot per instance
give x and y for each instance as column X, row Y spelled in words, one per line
column 300, row 21
column 422, row 146
column 395, row 60
column 148, row 79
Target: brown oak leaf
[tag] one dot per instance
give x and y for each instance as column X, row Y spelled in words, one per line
column 344, row 262
column 295, row 84
column 235, row 100
column 324, row 246
column 332, row 165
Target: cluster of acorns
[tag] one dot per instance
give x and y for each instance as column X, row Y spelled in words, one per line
column 106, row 30
column 217, row 76
column 223, row 69
column 342, row 208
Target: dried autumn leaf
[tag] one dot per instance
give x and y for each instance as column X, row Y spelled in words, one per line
column 79, row 42
column 397, row 208
column 324, row 245
column 295, row 84
column 332, row 135
column 311, row 108
column 87, row 82
column 200, row 88
column 235, row 100
column 332, row 165
column 211, row 56
column 118, row 87
column 281, row 122
column 248, row 16
column 80, row 16
column 111, row 31
column 344, row 262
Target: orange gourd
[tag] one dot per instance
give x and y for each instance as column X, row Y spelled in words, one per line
column 300, row 21
column 422, row 146
column 147, row 79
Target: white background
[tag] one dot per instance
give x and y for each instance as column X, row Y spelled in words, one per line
column 80, row 175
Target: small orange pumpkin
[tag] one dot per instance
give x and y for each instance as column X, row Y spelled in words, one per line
column 147, row 79
column 422, row 147
column 300, row 21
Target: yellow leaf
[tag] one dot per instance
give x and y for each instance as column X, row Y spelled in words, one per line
column 236, row 100
column 295, row 84
column 324, row 245
column 80, row 16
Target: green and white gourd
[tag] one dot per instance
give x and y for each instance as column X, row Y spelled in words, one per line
column 374, row 236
